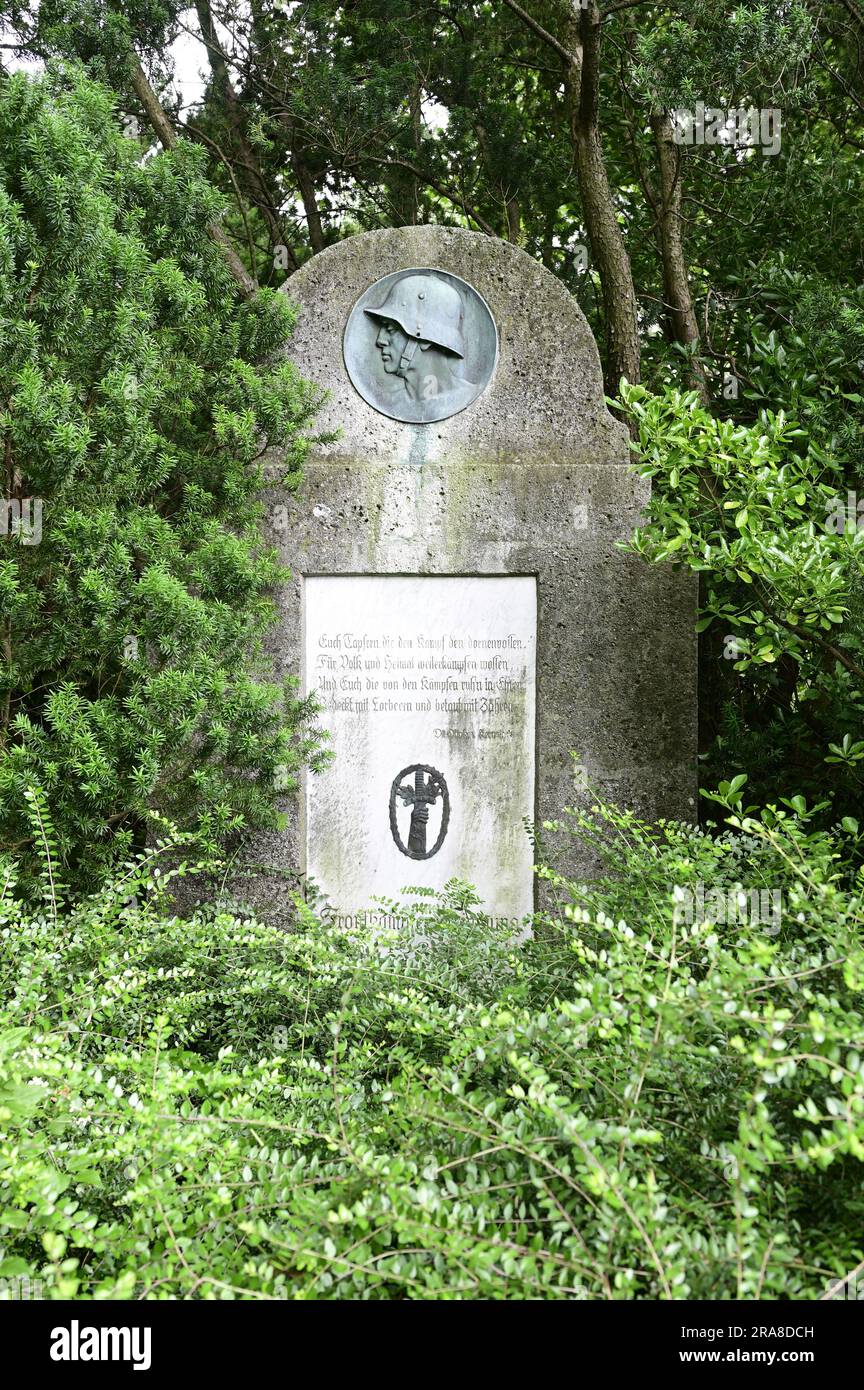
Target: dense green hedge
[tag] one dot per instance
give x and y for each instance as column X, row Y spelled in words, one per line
column 137, row 396
column 627, row 1105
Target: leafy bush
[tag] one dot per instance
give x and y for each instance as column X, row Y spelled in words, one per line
column 630, row 1104
column 135, row 403
column 761, row 514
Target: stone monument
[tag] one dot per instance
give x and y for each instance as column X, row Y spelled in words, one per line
column 480, row 645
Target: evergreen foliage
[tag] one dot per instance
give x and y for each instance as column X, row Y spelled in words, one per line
column 646, row 1100
column 137, row 396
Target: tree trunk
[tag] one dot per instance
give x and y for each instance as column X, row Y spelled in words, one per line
column 684, row 328
column 514, row 221
column 306, row 184
column 580, row 54
column 250, row 174
column 604, row 230
column 168, row 136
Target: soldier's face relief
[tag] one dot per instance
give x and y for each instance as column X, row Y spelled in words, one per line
column 391, row 343
column 415, row 341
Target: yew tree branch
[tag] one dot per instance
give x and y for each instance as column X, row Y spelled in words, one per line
column 158, row 118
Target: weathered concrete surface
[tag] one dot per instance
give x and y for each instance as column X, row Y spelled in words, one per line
column 546, row 398
column 533, row 479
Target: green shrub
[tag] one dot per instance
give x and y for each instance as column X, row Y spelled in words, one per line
column 760, row 512
column 627, row 1105
column 135, row 403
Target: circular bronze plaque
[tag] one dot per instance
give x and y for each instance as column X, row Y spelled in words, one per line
column 420, row 345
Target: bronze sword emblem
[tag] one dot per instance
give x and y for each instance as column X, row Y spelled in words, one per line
column 419, row 787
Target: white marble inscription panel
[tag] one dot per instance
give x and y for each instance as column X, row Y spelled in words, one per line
column 428, row 689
